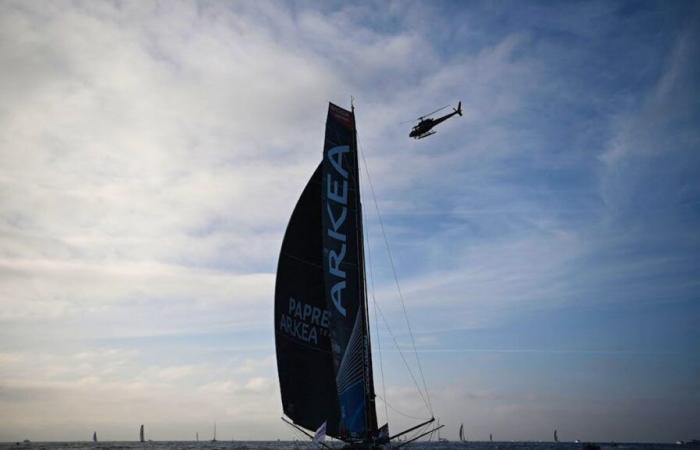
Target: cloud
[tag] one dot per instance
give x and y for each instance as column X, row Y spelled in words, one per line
column 112, row 391
column 151, row 154
column 662, row 110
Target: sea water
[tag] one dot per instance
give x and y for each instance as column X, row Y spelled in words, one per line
column 287, row 445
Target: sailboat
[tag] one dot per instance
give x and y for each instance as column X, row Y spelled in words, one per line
column 197, row 436
column 213, row 439
column 322, row 338
column 94, row 436
column 490, row 437
column 461, row 433
column 556, row 438
column 440, row 439
column 141, row 436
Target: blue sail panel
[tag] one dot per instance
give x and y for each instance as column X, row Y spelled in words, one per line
column 344, row 278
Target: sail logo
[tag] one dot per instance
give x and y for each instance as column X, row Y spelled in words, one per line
column 304, row 321
column 337, row 209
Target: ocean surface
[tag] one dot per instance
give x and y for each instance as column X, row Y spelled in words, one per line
column 289, row 445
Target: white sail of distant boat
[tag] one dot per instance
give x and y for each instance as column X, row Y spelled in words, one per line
column 94, row 436
column 141, row 436
column 197, row 436
column 461, row 432
column 440, row 439
column 214, row 438
column 556, row 438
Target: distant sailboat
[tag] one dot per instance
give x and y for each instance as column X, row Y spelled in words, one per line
column 94, row 436
column 197, row 436
column 440, row 439
column 556, row 438
column 214, row 438
column 461, row 433
column 141, row 437
column 490, row 437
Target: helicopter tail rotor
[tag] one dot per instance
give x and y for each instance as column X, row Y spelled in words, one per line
column 459, row 109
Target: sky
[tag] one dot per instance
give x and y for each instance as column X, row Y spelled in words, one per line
column 546, row 244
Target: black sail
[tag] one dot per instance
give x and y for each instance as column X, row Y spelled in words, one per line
column 304, row 357
column 343, row 270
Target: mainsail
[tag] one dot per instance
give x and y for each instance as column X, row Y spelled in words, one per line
column 461, row 432
column 321, row 324
column 304, row 359
column 141, row 436
column 94, row 436
column 556, row 437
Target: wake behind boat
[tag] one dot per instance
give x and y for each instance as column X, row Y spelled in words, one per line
column 322, row 338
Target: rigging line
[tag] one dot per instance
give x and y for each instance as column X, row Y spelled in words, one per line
column 387, row 404
column 376, row 324
column 410, row 372
column 386, row 323
column 396, row 278
column 423, row 430
column 418, row 432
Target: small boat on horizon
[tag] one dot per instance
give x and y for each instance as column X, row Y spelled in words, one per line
column 461, row 433
column 440, row 438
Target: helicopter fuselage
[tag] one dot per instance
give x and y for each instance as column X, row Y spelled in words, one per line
column 422, row 129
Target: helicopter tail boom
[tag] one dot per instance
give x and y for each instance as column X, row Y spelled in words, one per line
column 459, row 109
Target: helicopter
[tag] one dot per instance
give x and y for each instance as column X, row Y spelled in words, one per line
column 426, row 124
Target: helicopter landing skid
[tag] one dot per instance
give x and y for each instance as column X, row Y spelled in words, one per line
column 429, row 133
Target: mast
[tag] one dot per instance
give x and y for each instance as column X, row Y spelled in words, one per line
column 369, row 375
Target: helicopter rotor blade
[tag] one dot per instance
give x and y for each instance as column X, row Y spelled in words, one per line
column 432, row 112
